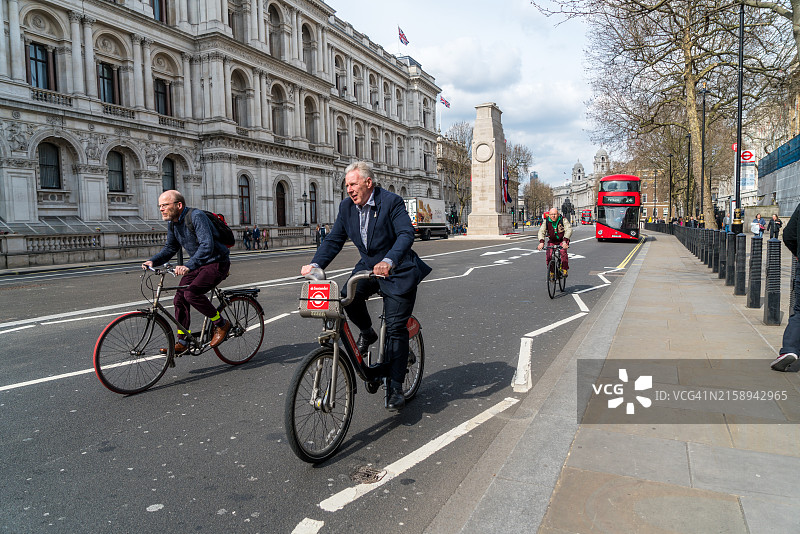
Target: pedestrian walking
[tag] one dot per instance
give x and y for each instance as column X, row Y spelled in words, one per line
column 322, row 233
column 774, row 226
column 246, row 237
column 726, row 223
column 317, row 236
column 265, row 238
column 790, row 347
column 758, row 225
column 256, row 237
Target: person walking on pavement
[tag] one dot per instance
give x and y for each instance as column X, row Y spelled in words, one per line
column 774, row 226
column 726, row 223
column 317, row 236
column 558, row 232
column 265, row 238
column 246, row 237
column 759, row 220
column 256, row 238
column 322, row 233
column 377, row 223
column 208, row 264
column 790, row 346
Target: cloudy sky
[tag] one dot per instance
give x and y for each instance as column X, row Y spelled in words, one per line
column 509, row 54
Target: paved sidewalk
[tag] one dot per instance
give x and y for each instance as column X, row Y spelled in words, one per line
column 737, row 471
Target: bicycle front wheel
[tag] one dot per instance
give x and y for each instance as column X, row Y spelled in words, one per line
column 127, row 355
column 315, row 431
column 246, row 333
column 552, row 272
column 562, row 281
column 416, row 365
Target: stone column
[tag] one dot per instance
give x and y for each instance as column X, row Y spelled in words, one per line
column 3, row 48
column 254, row 19
column 265, row 104
column 149, row 95
column 351, row 90
column 260, row 20
column 137, row 98
column 187, row 86
column 88, row 56
column 215, row 86
column 18, row 54
column 298, row 37
column 77, row 69
column 226, row 74
column 257, row 98
column 488, row 148
column 196, row 89
column 393, row 103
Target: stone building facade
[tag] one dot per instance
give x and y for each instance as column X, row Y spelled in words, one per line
column 251, row 108
column 581, row 189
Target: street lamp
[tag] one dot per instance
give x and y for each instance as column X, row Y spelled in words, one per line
column 703, row 92
column 688, row 173
column 669, row 202
column 737, row 225
column 305, row 210
column 655, row 195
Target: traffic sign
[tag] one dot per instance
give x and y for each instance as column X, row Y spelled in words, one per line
column 733, row 147
column 747, row 155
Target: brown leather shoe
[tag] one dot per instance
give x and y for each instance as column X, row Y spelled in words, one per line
column 219, row 334
column 180, row 348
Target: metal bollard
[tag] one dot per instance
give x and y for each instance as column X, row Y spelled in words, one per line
column 772, row 292
column 792, row 294
column 754, row 288
column 709, row 244
column 710, row 251
column 730, row 248
column 739, row 287
column 714, row 251
column 722, row 254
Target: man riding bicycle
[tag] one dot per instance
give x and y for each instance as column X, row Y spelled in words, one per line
column 558, row 231
column 207, row 266
column 377, row 222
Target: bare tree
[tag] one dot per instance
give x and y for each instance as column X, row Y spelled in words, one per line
column 649, row 61
column 456, row 163
column 538, row 197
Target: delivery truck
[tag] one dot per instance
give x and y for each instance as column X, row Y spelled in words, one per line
column 427, row 217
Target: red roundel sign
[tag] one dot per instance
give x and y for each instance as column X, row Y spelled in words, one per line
column 318, row 295
column 747, row 155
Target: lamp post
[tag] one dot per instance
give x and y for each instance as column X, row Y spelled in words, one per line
column 655, row 195
column 305, row 210
column 737, row 225
column 703, row 92
column 688, row 174
column 669, row 202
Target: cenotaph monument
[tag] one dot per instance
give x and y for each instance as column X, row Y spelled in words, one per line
column 488, row 216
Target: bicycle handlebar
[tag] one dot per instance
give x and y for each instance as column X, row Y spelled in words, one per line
column 318, row 274
column 163, row 269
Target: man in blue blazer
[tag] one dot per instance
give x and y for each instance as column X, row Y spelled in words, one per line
column 379, row 226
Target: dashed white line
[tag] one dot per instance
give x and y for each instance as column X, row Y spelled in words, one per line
column 308, row 526
column 582, row 305
column 349, row 495
column 18, row 328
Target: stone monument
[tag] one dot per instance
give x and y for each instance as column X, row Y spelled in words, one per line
column 489, row 215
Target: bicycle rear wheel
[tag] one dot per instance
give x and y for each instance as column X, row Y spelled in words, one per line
column 246, row 333
column 127, row 355
column 314, row 432
column 562, row 280
column 416, row 366
column 552, row 272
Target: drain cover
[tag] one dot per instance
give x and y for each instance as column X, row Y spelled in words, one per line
column 367, row 475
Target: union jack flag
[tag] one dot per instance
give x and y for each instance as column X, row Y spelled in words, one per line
column 445, row 102
column 403, row 38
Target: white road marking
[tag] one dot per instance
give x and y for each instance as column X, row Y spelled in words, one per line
column 281, row 316
column 581, row 304
column 18, row 328
column 46, row 379
column 554, row 325
column 522, row 376
column 308, row 526
column 591, row 289
column 349, row 495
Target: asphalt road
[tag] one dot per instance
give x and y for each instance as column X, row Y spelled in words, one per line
column 205, row 450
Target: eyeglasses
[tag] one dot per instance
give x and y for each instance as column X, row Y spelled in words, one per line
column 165, row 205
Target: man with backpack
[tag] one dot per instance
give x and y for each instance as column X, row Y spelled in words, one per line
column 207, row 243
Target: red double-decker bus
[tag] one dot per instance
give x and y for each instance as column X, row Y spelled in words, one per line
column 619, row 204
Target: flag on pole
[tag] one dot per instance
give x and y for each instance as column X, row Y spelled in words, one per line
column 504, row 180
column 445, row 102
column 403, row 38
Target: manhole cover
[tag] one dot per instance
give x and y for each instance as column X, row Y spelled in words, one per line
column 367, row 475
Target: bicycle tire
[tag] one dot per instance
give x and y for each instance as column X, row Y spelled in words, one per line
column 416, row 366
column 551, row 281
column 127, row 357
column 314, row 435
column 246, row 333
column 562, row 281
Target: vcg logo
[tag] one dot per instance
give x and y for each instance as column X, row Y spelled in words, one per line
column 642, row 383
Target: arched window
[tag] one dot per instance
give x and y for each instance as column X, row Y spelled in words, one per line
column 308, row 50
column 312, row 201
column 244, row 200
column 280, row 204
column 278, row 111
column 239, row 100
column 49, row 166
column 310, row 123
column 275, row 33
column 116, row 172
column 168, row 174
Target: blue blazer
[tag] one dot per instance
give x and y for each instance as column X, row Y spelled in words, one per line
column 389, row 235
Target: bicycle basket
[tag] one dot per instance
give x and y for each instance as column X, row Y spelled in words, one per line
column 320, row 299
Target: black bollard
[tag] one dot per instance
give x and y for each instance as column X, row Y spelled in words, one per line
column 730, row 249
column 709, row 244
column 754, row 288
column 714, row 251
column 739, row 287
column 722, row 254
column 792, row 294
column 772, row 292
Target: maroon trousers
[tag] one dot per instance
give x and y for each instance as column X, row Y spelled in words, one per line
column 198, row 282
column 564, row 259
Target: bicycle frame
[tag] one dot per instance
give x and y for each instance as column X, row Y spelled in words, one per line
column 556, row 254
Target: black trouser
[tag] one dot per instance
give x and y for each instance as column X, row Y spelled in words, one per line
column 396, row 312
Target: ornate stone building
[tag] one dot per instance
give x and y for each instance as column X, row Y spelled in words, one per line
column 251, row 109
column 581, row 189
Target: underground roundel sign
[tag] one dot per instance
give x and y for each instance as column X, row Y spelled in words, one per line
column 318, row 295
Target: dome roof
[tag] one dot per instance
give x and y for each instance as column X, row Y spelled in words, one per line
column 601, row 152
column 577, row 166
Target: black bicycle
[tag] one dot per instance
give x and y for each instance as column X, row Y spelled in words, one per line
column 554, row 275
column 319, row 404
column 134, row 351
